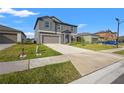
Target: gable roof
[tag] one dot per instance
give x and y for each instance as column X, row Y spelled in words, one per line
column 107, row 31
column 55, row 19
column 6, row 28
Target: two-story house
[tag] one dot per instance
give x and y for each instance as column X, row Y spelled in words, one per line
column 49, row 29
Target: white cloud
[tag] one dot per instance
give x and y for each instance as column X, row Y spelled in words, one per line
column 81, row 25
column 20, row 13
column 1, row 16
column 29, row 34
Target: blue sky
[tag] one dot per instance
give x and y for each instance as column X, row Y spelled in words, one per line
column 88, row 19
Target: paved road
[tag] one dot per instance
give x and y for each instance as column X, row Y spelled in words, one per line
column 119, row 80
column 3, row 46
column 86, row 61
column 107, row 75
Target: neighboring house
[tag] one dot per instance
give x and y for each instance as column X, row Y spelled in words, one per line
column 10, row 35
column 121, row 39
column 49, row 29
column 88, row 37
column 107, row 35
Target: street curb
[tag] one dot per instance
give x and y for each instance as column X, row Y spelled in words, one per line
column 98, row 69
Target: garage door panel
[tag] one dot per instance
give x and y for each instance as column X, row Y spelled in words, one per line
column 8, row 38
column 50, row 39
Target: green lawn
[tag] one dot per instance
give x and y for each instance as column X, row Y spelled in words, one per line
column 51, row 74
column 12, row 53
column 95, row 47
column 121, row 44
column 120, row 52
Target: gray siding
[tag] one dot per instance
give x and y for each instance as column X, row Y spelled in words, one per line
column 41, row 25
column 59, row 27
column 53, row 27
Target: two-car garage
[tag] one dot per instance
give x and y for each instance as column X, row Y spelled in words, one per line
column 50, row 38
column 7, row 38
column 10, row 35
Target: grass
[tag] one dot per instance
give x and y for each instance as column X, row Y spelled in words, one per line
column 95, row 47
column 12, row 53
column 121, row 44
column 50, row 74
column 120, row 52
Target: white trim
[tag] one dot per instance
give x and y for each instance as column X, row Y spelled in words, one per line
column 49, row 31
column 60, row 39
column 41, row 36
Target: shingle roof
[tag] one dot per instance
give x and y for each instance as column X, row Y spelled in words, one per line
column 105, row 32
column 52, row 17
column 6, row 28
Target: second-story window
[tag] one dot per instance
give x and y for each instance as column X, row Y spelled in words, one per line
column 62, row 27
column 47, row 24
column 59, row 27
column 72, row 28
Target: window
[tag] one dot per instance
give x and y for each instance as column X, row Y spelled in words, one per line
column 59, row 26
column 72, row 28
column 47, row 24
column 62, row 27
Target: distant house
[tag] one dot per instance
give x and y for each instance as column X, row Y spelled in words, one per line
column 121, row 39
column 49, row 29
column 10, row 35
column 107, row 35
column 88, row 37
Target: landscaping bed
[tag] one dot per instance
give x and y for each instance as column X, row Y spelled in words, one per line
column 50, row 74
column 95, row 47
column 12, row 53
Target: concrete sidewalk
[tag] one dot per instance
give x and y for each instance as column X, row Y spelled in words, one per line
column 104, row 76
column 8, row 67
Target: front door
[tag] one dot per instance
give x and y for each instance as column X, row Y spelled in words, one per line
column 67, row 38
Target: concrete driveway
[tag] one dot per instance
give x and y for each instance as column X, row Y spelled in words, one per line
column 65, row 49
column 86, row 61
column 3, row 46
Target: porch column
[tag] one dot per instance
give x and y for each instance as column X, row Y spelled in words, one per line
column 60, row 37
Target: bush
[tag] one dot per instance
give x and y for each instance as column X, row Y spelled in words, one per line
column 83, row 43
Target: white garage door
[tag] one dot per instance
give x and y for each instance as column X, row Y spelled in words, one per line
column 50, row 39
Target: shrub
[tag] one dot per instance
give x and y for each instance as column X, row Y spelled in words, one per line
column 83, row 43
